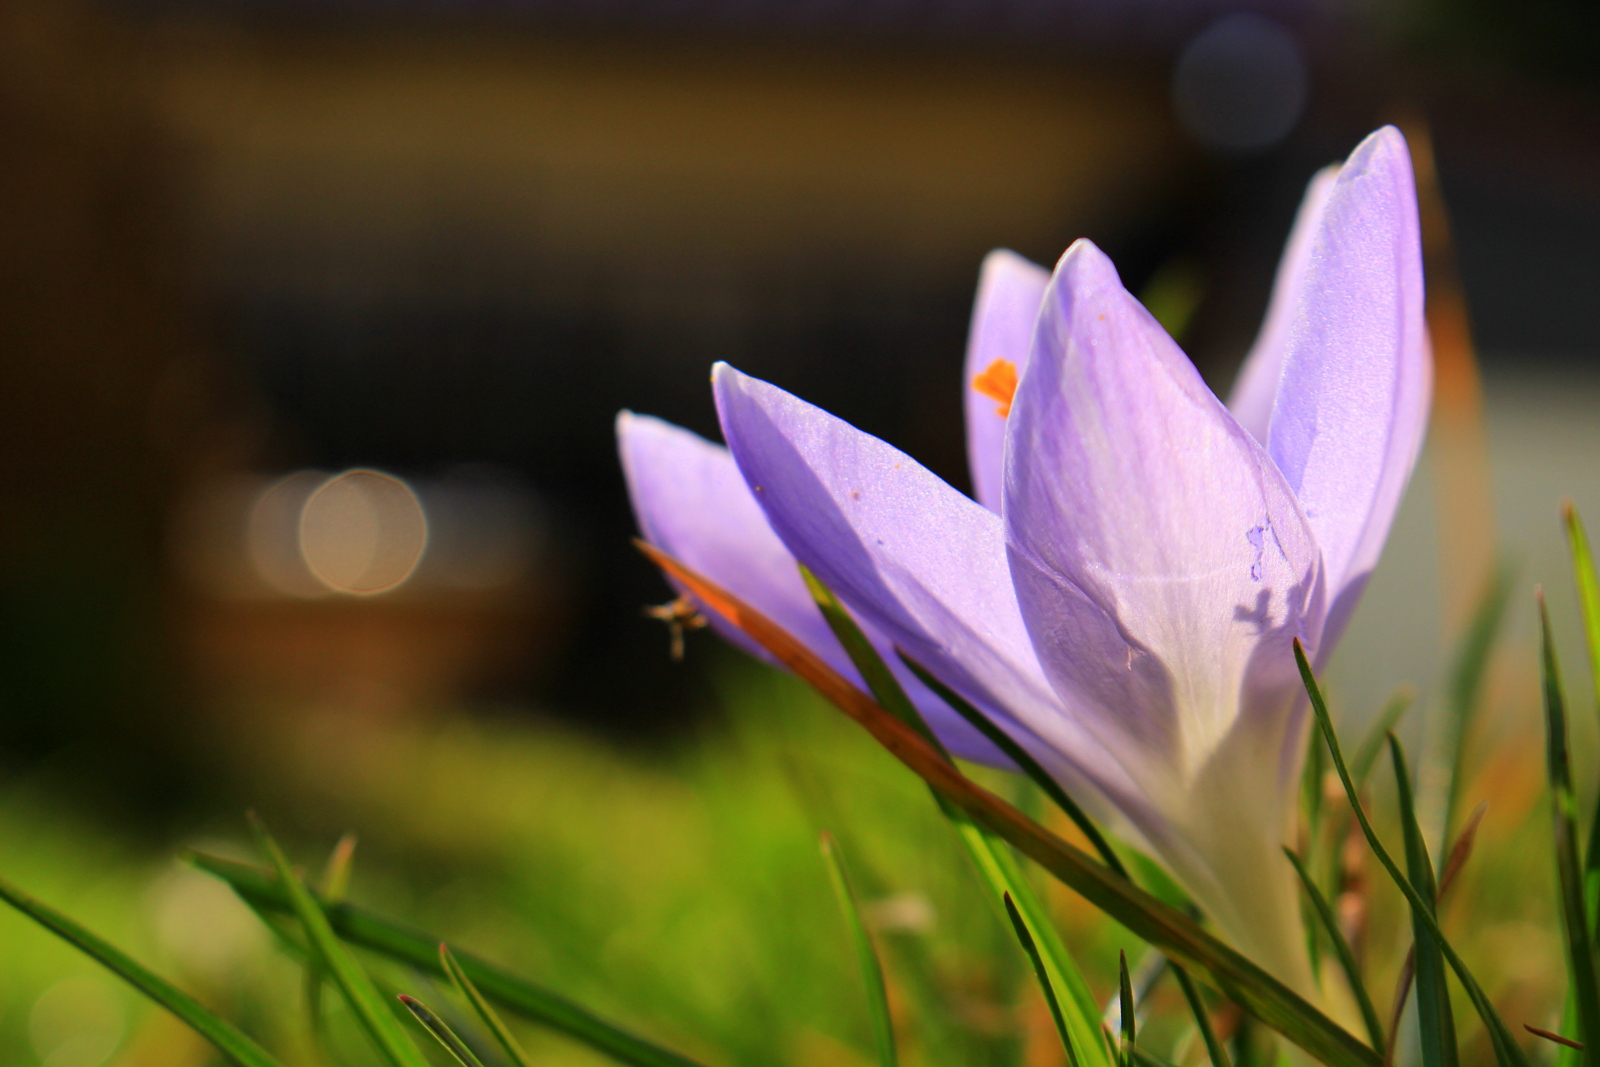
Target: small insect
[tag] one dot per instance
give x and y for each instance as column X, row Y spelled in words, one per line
column 680, row 615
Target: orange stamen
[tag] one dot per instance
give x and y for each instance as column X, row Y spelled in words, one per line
column 998, row 382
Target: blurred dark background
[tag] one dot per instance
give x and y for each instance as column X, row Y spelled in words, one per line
column 246, row 241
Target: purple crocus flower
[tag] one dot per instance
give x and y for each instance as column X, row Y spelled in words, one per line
column 1123, row 594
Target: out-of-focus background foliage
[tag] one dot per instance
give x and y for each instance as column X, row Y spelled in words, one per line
column 249, row 245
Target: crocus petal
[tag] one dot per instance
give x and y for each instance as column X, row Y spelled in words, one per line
column 1256, row 388
column 916, row 558
column 1357, row 376
column 1163, row 568
column 692, row 503
column 1009, row 291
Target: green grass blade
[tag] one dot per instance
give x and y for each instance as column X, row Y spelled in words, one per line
column 1459, row 853
column 994, row 863
column 1024, row 760
column 1202, row 1018
column 1047, row 986
column 1003, row 877
column 1588, row 583
column 1258, row 993
column 866, row 955
column 1466, row 683
column 391, row 939
column 1507, row 1052
column 335, row 883
column 441, row 1031
column 1130, row 1011
column 227, row 1038
column 1341, row 949
column 1436, row 1022
column 356, row 985
column 1564, row 809
column 480, row 1004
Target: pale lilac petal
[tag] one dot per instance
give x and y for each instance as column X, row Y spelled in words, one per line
column 1009, row 291
column 1256, row 387
column 692, row 503
column 1163, row 568
column 917, row 559
column 1353, row 405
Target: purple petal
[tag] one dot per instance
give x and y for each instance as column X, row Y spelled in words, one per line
column 1163, row 568
column 692, row 503
column 925, row 565
column 1009, row 291
column 1357, row 377
column 1256, row 387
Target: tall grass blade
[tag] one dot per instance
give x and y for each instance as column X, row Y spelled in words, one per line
column 1244, row 982
column 1341, row 949
column 1130, row 1011
column 335, row 883
column 1588, row 583
column 1045, row 984
column 359, row 991
column 1569, row 870
column 1202, row 1018
column 1460, row 852
column 227, row 1038
column 441, row 1032
column 996, row 866
column 389, row 938
column 1436, row 1022
column 480, row 1004
column 866, row 955
column 1507, row 1052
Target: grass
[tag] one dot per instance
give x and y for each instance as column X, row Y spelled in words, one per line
column 681, row 895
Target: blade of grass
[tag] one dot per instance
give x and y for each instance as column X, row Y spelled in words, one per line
column 359, row 992
column 1436, row 1022
column 1507, row 1053
column 389, row 938
column 1588, row 586
column 996, row 866
column 1458, row 858
column 1341, row 949
column 1045, row 984
column 1588, row 583
column 1129, row 1012
column 441, row 1032
column 1180, row 937
column 335, row 883
column 502, row 1033
column 1202, row 1018
column 227, row 1038
column 866, row 955
column 1459, row 854
column 1564, row 809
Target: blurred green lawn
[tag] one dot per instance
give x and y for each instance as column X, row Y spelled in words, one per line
column 680, row 893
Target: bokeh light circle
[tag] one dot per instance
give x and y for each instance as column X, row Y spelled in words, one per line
column 363, row 532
